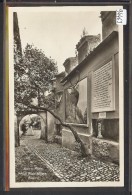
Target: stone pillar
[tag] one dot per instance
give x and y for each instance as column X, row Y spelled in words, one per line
column 43, row 125
column 50, row 127
column 108, row 23
column 42, row 136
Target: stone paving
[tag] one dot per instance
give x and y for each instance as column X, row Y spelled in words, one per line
column 30, row 168
column 56, row 163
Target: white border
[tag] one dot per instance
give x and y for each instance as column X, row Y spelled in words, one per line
column 14, row 184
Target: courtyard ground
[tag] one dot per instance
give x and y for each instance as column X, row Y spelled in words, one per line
column 38, row 161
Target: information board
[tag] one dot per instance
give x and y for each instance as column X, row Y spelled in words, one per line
column 102, row 89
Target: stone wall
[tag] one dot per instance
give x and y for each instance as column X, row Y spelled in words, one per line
column 43, row 125
column 17, row 124
column 98, row 148
column 106, row 51
column 50, row 127
column 59, row 77
column 108, row 23
column 69, row 141
column 86, row 45
column 105, row 150
column 109, row 125
column 92, row 57
column 60, row 105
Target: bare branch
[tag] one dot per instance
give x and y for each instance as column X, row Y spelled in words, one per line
column 77, row 138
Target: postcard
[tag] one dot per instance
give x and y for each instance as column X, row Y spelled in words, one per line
column 66, row 117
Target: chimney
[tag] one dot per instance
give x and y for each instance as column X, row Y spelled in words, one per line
column 108, row 23
column 86, row 45
column 70, row 64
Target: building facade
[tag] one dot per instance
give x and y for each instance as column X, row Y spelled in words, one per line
column 90, row 93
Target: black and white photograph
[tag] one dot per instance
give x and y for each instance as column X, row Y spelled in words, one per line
column 66, row 125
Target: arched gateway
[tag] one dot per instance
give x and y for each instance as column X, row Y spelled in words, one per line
column 18, row 117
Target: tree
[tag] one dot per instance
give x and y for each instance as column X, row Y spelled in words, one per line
column 77, row 138
column 33, row 76
column 19, row 67
column 33, row 80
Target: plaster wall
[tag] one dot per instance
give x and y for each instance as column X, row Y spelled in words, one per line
column 108, row 23
column 97, row 59
column 50, row 127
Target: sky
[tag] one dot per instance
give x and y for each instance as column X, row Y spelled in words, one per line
column 57, row 32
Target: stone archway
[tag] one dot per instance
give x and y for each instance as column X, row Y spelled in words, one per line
column 18, row 117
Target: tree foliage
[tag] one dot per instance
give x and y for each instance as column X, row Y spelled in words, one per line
column 33, row 74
